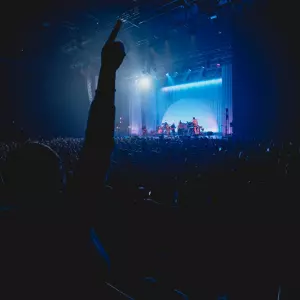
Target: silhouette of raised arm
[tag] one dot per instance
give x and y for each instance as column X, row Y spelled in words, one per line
column 98, row 144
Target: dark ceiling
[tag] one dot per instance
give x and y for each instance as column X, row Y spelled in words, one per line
column 78, row 29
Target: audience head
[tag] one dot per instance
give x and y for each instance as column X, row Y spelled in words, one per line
column 33, row 172
column 1, row 185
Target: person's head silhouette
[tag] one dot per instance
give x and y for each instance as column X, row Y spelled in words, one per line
column 33, row 174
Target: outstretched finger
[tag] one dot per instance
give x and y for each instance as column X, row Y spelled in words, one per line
column 112, row 37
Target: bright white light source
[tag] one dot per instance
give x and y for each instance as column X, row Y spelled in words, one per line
column 145, row 82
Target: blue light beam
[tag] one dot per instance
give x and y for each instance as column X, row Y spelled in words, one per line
column 192, row 85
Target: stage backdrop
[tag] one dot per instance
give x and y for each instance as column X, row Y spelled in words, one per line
column 207, row 101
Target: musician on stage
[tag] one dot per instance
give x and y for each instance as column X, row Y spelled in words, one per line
column 180, row 128
column 173, row 128
column 196, row 126
column 195, row 122
column 160, row 130
column 144, row 130
column 168, row 128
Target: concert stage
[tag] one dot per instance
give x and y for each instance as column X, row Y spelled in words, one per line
column 209, row 101
column 210, row 135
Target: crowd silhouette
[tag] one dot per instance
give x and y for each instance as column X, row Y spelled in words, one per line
column 209, row 217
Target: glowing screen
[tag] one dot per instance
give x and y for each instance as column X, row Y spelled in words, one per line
column 186, row 109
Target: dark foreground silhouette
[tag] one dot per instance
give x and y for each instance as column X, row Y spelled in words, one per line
column 232, row 231
column 49, row 248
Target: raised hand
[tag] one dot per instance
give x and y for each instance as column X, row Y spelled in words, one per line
column 113, row 52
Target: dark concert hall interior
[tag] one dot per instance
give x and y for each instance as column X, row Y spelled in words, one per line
column 149, row 149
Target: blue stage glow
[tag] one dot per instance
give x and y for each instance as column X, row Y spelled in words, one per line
column 185, row 109
column 192, row 85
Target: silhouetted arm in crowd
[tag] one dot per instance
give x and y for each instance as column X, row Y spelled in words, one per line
column 98, row 144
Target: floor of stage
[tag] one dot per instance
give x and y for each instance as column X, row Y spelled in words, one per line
column 165, row 136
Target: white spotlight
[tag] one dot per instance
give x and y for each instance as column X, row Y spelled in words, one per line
column 145, row 82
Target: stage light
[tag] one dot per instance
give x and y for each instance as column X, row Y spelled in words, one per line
column 145, row 82
column 192, row 85
column 167, row 74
